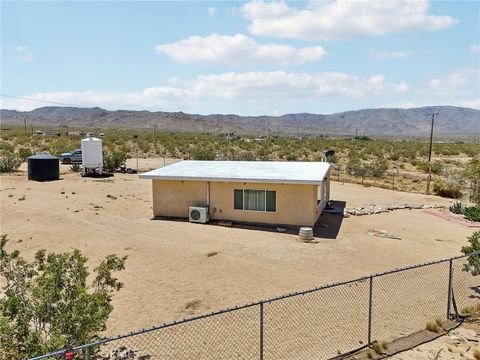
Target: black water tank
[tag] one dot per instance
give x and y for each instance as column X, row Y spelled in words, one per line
column 43, row 167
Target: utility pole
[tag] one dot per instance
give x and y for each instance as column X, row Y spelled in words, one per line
column 430, row 153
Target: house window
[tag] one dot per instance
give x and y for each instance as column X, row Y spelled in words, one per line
column 254, row 200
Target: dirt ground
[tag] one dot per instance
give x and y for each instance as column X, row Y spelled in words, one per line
column 171, row 272
column 458, row 344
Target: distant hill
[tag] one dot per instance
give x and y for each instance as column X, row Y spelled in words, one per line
column 450, row 121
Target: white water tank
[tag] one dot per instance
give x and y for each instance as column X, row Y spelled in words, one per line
column 92, row 155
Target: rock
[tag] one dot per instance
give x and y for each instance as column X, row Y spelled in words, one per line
column 377, row 209
column 471, row 335
column 454, row 339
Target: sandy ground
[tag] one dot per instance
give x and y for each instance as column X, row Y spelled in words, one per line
column 169, row 275
column 458, row 344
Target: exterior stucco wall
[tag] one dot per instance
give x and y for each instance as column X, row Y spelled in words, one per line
column 173, row 198
column 295, row 204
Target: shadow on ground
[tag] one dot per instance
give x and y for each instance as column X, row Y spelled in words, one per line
column 327, row 226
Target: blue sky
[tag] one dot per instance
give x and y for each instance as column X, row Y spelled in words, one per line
column 248, row 58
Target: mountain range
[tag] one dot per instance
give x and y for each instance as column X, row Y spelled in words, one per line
column 383, row 121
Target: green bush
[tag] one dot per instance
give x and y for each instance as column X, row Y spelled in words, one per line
column 378, row 168
column 24, row 153
column 472, row 213
column 113, row 160
column 436, row 166
column 202, row 153
column 48, row 303
column 473, row 262
column 9, row 162
column 447, row 189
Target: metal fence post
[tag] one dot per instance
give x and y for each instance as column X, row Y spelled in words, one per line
column 450, row 273
column 370, row 311
column 261, row 330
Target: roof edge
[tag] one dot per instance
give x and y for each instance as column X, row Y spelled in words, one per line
column 236, row 180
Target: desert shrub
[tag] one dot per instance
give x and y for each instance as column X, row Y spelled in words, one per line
column 24, row 153
column 75, row 168
column 291, row 156
column 472, row 173
column 112, row 160
column 48, row 303
column 394, row 156
column 447, row 189
column 472, row 213
column 456, row 208
column 378, row 168
column 332, row 159
column 433, row 326
column 473, row 262
column 9, row 161
column 202, row 153
column 436, row 166
column 5, row 146
column 355, row 167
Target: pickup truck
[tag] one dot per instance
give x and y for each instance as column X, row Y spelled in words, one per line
column 74, row 156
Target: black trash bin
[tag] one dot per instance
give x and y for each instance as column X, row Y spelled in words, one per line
column 43, row 167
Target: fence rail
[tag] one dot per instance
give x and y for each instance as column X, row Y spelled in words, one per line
column 321, row 323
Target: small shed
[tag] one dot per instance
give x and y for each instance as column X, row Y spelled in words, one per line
column 266, row 192
column 43, row 167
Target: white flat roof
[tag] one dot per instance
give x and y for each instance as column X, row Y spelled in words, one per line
column 287, row 172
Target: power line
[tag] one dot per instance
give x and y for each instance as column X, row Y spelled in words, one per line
column 38, row 100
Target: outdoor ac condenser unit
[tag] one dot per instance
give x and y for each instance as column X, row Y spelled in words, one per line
column 198, row 214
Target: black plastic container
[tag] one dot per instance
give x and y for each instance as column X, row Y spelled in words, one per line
column 43, row 167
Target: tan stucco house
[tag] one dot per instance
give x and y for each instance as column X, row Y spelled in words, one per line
column 261, row 192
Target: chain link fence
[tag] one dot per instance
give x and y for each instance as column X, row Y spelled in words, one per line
column 319, row 323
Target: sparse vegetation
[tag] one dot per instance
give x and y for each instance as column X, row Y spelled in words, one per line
column 380, row 162
column 9, row 161
column 447, row 189
column 112, row 160
column 472, row 309
column 473, row 263
column 434, row 326
column 456, row 208
column 472, row 213
column 377, row 347
column 75, row 168
column 47, row 303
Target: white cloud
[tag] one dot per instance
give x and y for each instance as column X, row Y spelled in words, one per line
column 168, row 98
column 324, row 20
column 474, row 104
column 258, row 87
column 23, row 55
column 475, row 48
column 237, row 50
column 212, row 10
column 456, row 83
column 383, row 55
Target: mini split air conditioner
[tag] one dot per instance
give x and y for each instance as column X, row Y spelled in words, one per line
column 198, row 214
